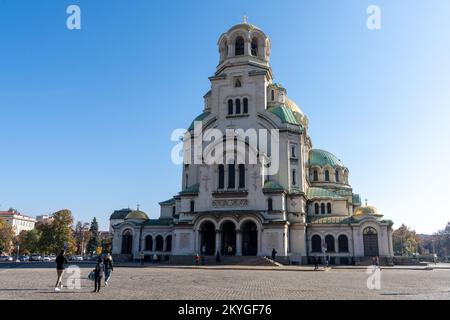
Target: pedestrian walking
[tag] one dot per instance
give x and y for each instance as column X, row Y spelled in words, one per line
column 274, row 254
column 108, row 267
column 142, row 257
column 230, row 250
column 61, row 261
column 316, row 263
column 155, row 258
column 197, row 259
column 218, row 256
column 98, row 272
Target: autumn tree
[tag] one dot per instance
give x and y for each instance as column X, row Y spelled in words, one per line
column 406, row 241
column 6, row 237
column 29, row 241
column 58, row 234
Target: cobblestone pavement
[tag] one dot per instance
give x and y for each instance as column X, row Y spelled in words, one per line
column 201, row 284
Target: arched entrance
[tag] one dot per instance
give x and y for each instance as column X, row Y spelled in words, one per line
column 127, row 242
column 228, row 238
column 249, row 239
column 370, row 239
column 208, row 238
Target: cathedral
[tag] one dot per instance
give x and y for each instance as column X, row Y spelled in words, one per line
column 302, row 208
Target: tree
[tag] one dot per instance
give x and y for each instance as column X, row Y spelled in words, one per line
column 29, row 241
column 94, row 240
column 58, row 234
column 6, row 237
column 406, row 241
column 82, row 236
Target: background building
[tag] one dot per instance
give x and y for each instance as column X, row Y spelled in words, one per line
column 18, row 221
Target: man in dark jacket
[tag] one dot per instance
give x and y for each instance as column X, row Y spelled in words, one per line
column 60, row 262
column 98, row 272
column 274, row 254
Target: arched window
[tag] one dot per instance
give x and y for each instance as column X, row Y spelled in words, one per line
column 241, row 176
column 159, row 243
column 239, row 46
column 230, row 106
column 245, row 105
column 343, row 243
column 273, row 95
column 316, row 208
column 315, row 175
column 192, row 208
column 337, row 175
column 294, row 177
column 221, row 176
column 328, row 207
column 231, row 176
column 148, row 243
column 254, row 47
column 316, row 242
column 322, row 208
column 270, row 204
column 329, row 240
column 169, row 243
column 327, row 175
column 238, row 106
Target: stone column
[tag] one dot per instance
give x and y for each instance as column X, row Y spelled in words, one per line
column 218, row 240
column 154, row 244
column 238, row 242
column 164, row 245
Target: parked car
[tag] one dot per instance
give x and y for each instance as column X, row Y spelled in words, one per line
column 24, row 258
column 52, row 257
column 46, row 259
column 77, row 258
column 6, row 258
column 35, row 257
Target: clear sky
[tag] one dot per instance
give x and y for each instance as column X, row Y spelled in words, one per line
column 86, row 115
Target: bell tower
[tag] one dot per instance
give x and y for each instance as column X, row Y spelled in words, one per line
column 244, row 43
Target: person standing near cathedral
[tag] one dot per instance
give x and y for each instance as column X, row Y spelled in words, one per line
column 316, row 263
column 218, row 256
column 274, row 254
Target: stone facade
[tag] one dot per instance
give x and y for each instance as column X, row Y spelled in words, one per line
column 304, row 208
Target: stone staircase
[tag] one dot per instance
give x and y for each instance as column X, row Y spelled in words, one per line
column 224, row 261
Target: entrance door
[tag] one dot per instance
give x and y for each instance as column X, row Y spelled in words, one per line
column 370, row 239
column 208, row 238
column 228, row 238
column 249, row 239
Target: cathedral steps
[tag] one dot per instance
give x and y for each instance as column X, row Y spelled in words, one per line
column 224, row 261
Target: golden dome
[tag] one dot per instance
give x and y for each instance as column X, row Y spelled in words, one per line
column 293, row 106
column 367, row 211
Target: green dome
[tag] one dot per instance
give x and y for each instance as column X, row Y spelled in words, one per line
column 321, row 158
column 138, row 215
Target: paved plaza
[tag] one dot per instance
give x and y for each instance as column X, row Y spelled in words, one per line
column 259, row 283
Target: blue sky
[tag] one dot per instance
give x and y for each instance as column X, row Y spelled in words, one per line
column 86, row 115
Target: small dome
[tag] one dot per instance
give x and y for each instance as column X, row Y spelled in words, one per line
column 321, row 158
column 367, row 211
column 137, row 215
